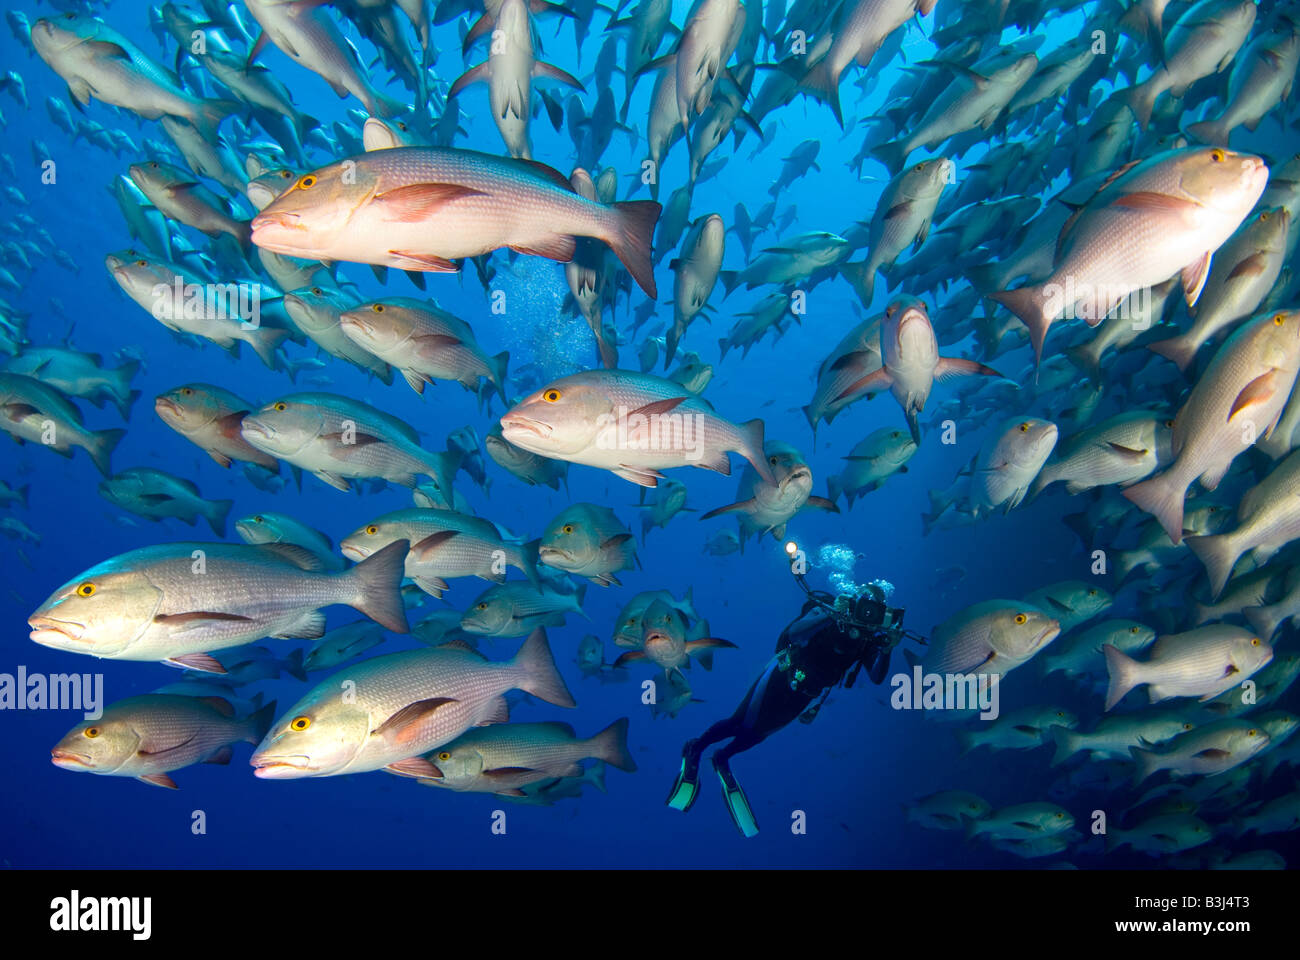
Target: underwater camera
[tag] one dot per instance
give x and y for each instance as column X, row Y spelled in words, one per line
column 865, row 612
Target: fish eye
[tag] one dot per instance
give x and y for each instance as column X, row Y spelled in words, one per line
column 444, row 755
column 280, row 406
column 285, row 174
column 1278, row 319
column 1060, row 713
column 1187, row 726
column 1021, row 618
column 69, row 16
column 1132, row 629
column 259, row 519
column 371, row 530
column 481, row 606
column 402, row 126
column 1263, row 216
column 1218, row 156
column 1024, row 427
column 1251, row 732
column 1060, row 816
column 567, row 528
column 1254, row 641
column 1169, row 423
column 300, row 723
column 92, row 732
column 772, row 460
column 377, row 307
column 187, row 391
column 142, row 263
column 1092, row 592
column 306, row 182
column 552, row 395
column 86, row 589
column 895, row 435
column 316, row 291
column 919, row 167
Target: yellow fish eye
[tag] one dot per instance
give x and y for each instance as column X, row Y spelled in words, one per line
column 1251, row 732
column 1254, row 641
column 300, row 723
column 187, row 392
column 552, row 395
column 371, row 530
column 92, row 732
column 444, row 755
column 377, row 307
column 1060, row 816
column 280, row 406
column 1278, row 319
column 567, row 528
column 1092, row 593
column 259, row 519
column 285, row 174
column 316, row 291
column 142, row 263
column 1187, row 726
column 1021, row 618
column 86, row 589
column 1132, row 629
column 306, row 182
column 1024, row 427
column 1218, row 156
column 481, row 606
column 1263, row 216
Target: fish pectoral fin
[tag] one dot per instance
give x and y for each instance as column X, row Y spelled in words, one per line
column 222, row 756
column 821, row 503
column 414, row 767
column 163, row 751
column 1212, row 753
column 159, row 780
column 333, row 479
column 1252, row 266
column 873, row 382
column 405, row 723
column 1147, row 201
column 193, row 616
column 103, row 48
column 424, row 262
column 507, row 771
column 1127, row 453
column 626, row 658
column 416, row 201
column 745, row 506
column 309, row 626
column 645, row 476
column 429, row 344
column 658, row 407
column 352, row 440
column 197, row 661
column 1194, row 276
column 1258, row 391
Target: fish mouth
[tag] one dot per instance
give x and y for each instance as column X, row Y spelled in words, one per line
column 280, row 768
column 279, row 218
column 552, row 553
column 70, row 759
column 798, row 473
column 352, row 552
column 166, row 403
column 258, row 428
column 518, row 422
column 51, row 632
column 349, row 321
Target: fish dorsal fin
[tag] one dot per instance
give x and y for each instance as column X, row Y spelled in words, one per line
column 220, row 704
column 549, row 173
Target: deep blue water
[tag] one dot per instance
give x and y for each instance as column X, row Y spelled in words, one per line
column 851, row 771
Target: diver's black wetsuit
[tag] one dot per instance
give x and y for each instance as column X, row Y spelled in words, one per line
column 813, row 655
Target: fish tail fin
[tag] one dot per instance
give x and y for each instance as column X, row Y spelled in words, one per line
column 499, row 365
column 751, row 447
column 258, row 723
column 610, row 745
column 820, row 84
column 216, row 512
column 1219, row 554
column 1266, row 619
column 529, row 558
column 541, row 678
column 862, row 278
column 378, row 579
column 892, row 154
column 834, row 487
column 385, row 106
column 1122, row 672
column 101, row 446
column 1209, row 131
column 1066, row 742
column 1163, row 499
column 292, row 665
column 1180, row 349
column 1147, row 762
column 633, row 240
column 209, row 114
column 1141, row 99
column 1083, row 358
column 122, row 378
column 1027, row 304
column 595, row 776
column 265, row 341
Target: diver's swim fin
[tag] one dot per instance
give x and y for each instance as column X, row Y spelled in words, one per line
column 737, row 805
column 687, row 786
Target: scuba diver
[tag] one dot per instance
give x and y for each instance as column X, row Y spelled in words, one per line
column 829, row 642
